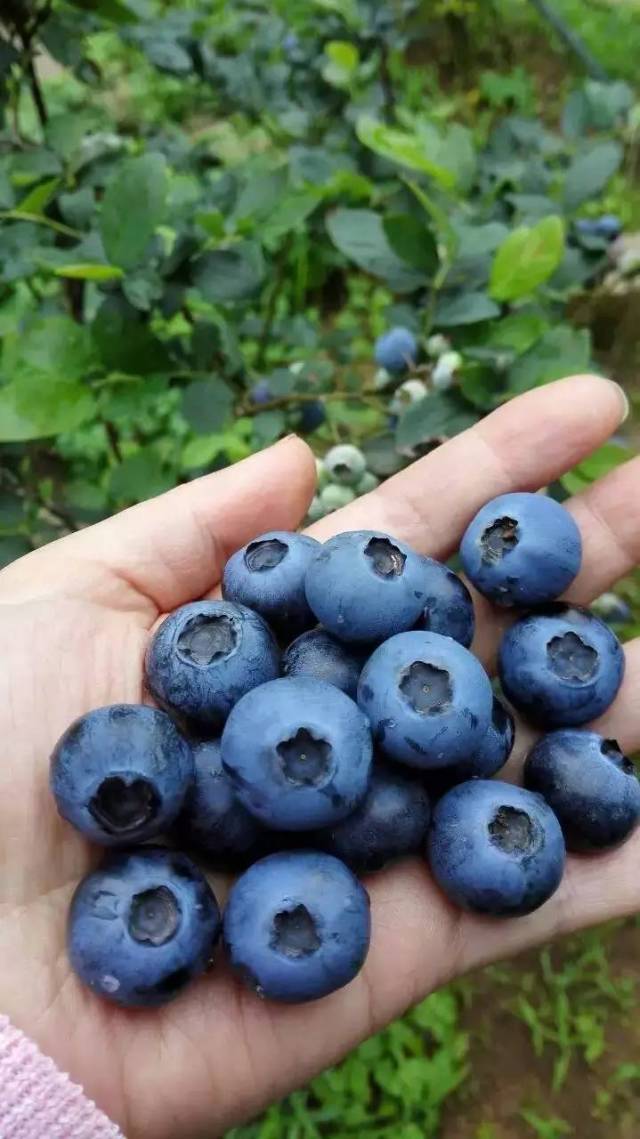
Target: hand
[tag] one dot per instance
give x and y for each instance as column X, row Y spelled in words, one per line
column 74, row 621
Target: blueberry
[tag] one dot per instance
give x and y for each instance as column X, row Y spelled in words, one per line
column 448, row 608
column 409, row 393
column 268, row 576
column 495, row 849
column 609, row 226
column 427, row 698
column 396, row 351
column 142, row 926
column 365, row 586
column 312, row 415
column 213, row 820
column 260, row 393
column 120, row 774
column 522, row 549
column 319, row 655
column 487, row 758
column 297, row 926
column 334, row 497
column 346, row 464
column 298, row 753
column 367, row 483
column 589, row 784
column 391, row 822
column 561, row 666
column 205, row 656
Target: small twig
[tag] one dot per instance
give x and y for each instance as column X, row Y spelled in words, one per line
column 311, row 397
column 61, row 515
column 75, row 296
column 113, row 439
column 270, row 312
column 36, row 91
column 386, row 82
column 40, row 219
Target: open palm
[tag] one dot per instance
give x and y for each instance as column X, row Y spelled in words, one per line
column 74, row 622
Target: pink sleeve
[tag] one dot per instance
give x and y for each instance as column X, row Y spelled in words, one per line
column 39, row 1102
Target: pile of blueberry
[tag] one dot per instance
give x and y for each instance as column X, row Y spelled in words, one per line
column 323, row 719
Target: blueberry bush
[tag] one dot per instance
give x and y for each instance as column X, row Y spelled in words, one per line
column 210, row 212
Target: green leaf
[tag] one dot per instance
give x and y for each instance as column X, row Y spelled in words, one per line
column 132, row 208
column 125, row 342
column 267, row 427
column 80, row 272
column 142, row 288
column 294, row 208
column 413, row 242
column 39, row 197
column 116, row 11
column 139, row 476
column 55, row 346
column 526, row 259
column 228, row 275
column 477, row 240
column 77, row 208
column 207, row 405
column 562, row 351
column 403, row 148
column 599, row 463
column 440, row 414
column 65, row 132
column 260, row 194
column 469, row 308
column 341, row 63
column 168, row 56
column 518, row 331
column 360, row 236
column 34, row 412
column 590, row 171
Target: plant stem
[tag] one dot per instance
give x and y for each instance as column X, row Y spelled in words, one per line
column 36, row 91
column 366, row 396
column 270, row 312
column 113, row 439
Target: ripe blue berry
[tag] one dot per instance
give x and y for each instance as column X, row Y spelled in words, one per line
column 260, row 393
column 487, row 758
column 561, row 666
column 589, row 784
column 205, row 656
column 448, row 608
column 522, row 549
column 391, row 822
column 428, row 700
column 312, row 415
column 213, row 820
column 142, row 926
column 318, row 655
column 298, row 753
column 609, row 226
column 495, row 849
column 120, row 774
column 297, row 926
column 365, row 586
column 396, row 351
column 268, row 576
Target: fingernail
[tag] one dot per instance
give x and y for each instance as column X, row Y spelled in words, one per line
column 624, row 400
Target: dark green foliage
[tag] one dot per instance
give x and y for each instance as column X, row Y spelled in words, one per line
column 213, row 196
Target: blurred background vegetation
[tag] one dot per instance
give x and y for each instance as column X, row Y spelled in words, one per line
column 208, row 214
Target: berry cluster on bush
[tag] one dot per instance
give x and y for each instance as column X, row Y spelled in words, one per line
column 324, row 718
